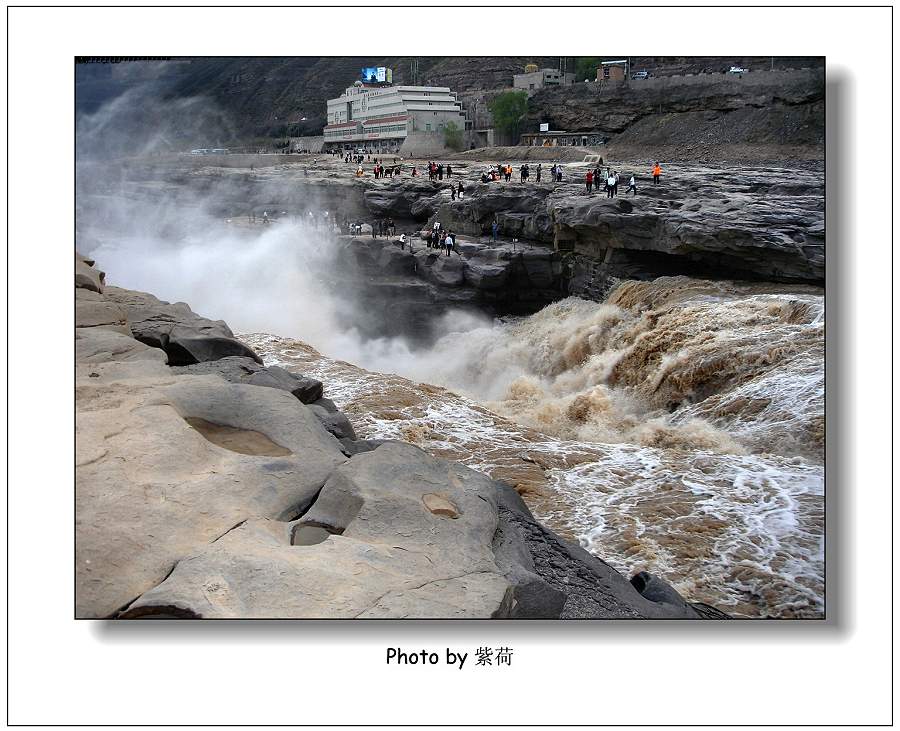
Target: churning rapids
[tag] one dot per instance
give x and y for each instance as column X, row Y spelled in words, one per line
column 677, row 427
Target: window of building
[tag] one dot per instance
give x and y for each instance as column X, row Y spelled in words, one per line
column 428, row 127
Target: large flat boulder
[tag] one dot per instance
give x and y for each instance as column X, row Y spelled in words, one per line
column 185, row 336
column 379, row 541
column 167, row 464
column 93, row 310
column 255, row 572
column 240, row 369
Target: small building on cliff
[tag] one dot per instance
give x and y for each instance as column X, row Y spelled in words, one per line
column 533, row 81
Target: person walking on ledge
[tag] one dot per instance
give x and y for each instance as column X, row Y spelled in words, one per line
column 631, row 186
column 657, row 171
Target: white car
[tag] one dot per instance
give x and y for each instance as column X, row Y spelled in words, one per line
column 738, row 70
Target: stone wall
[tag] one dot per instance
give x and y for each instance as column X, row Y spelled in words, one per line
column 312, row 144
column 753, row 78
column 238, row 160
column 431, row 144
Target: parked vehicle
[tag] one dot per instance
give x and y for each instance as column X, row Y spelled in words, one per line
column 738, row 70
column 640, row 75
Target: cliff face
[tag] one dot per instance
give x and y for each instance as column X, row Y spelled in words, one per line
column 780, row 109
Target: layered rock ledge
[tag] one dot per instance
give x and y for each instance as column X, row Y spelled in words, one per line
column 208, row 485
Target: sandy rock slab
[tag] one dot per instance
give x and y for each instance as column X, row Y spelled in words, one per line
column 369, row 547
column 185, row 336
column 167, row 464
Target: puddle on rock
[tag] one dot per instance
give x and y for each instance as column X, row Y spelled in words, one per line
column 243, row 441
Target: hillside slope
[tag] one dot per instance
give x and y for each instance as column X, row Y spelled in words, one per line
column 769, row 114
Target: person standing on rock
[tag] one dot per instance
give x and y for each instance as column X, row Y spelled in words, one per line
column 449, row 171
column 609, row 184
column 589, row 180
column 459, row 190
column 390, row 224
column 657, row 171
column 376, row 229
column 538, row 173
column 495, row 228
column 631, row 186
column 441, row 171
column 450, row 241
column 558, row 173
column 616, row 184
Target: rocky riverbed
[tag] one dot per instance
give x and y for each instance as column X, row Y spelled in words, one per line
column 211, row 485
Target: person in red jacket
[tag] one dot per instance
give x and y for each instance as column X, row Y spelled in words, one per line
column 657, row 171
column 589, row 180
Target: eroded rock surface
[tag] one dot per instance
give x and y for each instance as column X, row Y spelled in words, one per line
column 185, row 336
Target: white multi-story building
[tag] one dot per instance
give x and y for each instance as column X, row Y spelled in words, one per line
column 379, row 118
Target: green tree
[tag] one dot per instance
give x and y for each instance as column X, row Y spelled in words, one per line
column 586, row 68
column 508, row 110
column 453, row 136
